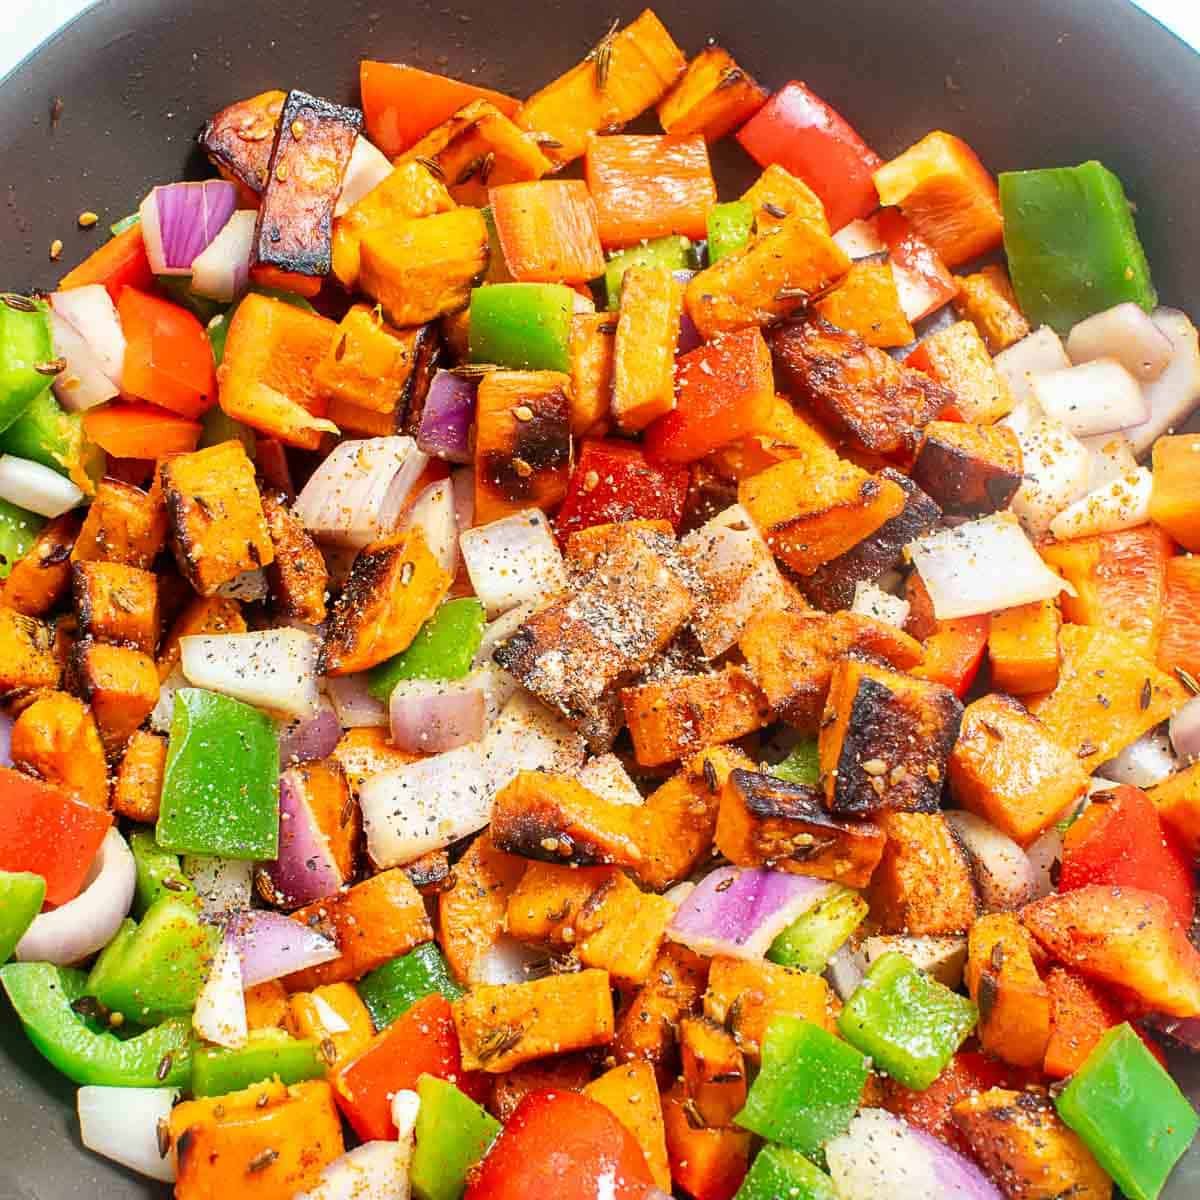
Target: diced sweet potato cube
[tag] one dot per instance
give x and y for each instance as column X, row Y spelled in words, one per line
column 776, row 194
column 297, row 576
column 867, row 302
column 548, row 897
column 619, row 928
column 1179, row 641
column 203, row 614
column 968, row 470
column 56, row 739
column 116, row 603
column 548, row 231
column 563, row 1073
column 120, row 684
column 1177, row 799
column 27, row 652
column 988, row 301
column 123, row 524
column 1023, row 648
column 644, row 351
column 714, row 1070
column 630, row 1093
column 138, row 789
column 957, row 358
column 39, row 579
column 1174, row 503
column 647, row 1029
column 783, row 433
column 365, row 752
column 592, row 348
column 885, row 739
column 714, row 97
column 238, row 139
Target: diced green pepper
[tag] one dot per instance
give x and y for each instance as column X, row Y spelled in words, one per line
column 220, row 791
column 497, row 268
column 18, row 531
column 1071, row 243
column 453, row 1133
column 25, row 345
column 119, row 227
column 443, row 648
column 158, row 872
column 21, row 896
column 674, row 252
column 1129, row 1112
column 813, row 938
column 219, row 426
column 155, row 970
column 778, row 1173
column 809, row 1087
column 729, row 228
column 267, row 1054
column 391, row 990
column 526, row 326
column 160, row 1057
column 49, row 435
column 801, row 765
column 909, row 1024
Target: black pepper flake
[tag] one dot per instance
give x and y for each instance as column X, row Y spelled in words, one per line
column 162, row 1133
column 773, row 210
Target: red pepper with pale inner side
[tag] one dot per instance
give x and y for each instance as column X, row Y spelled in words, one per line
column 614, row 481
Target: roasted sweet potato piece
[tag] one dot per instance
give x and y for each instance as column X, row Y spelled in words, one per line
column 987, row 300
column 1023, row 648
column 713, row 97
column 785, row 433
column 547, row 231
column 885, row 739
column 1177, row 799
column 1023, row 1144
column 297, row 575
column 923, row 882
column 313, row 142
column 957, row 358
column 546, row 900
column 1008, row 769
column 867, row 302
column 714, row 1070
column 856, row 389
column 1080, row 1015
column 764, row 821
column 968, row 470
column 238, row 140
column 204, row 614
column 28, row 657
column 563, row 1073
column 644, row 351
column 776, row 194
column 123, row 524
column 365, row 752
column 1179, row 641
column 56, row 739
column 39, row 579
column 116, row 603
column 619, row 928
column 138, row 790
column 630, row 1093
column 592, row 348
column 522, row 442
column 120, row 684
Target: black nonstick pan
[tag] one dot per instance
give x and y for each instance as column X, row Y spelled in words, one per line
column 111, row 106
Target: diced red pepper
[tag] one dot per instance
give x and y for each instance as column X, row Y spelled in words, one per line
column 954, row 652
column 423, row 1041
column 48, row 832
column 120, row 263
column 800, row 132
column 614, row 481
column 925, row 282
column 563, row 1145
column 1123, row 842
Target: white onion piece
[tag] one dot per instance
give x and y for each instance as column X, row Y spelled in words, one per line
column 275, row 669
column 87, row 923
column 406, row 1104
column 1004, row 876
column 870, row 600
column 1035, row 354
column 513, row 560
column 606, row 776
column 527, row 736
column 433, row 513
column 941, row 958
column 498, row 688
column 220, row 1013
column 1112, row 457
column 373, row 1171
column 1144, row 763
column 583, row 304
column 367, row 169
column 331, row 1020
column 1176, row 392
column 917, row 295
column 82, row 383
column 845, row 971
column 1126, row 333
column 1122, row 504
column 223, row 884
column 507, row 960
column 1056, row 466
column 270, row 945
column 31, row 486
column 91, row 313
column 122, row 1123
column 982, row 566
column 356, row 707
column 222, row 271
column 1185, row 730
column 430, row 716
column 1095, row 397
column 860, row 239
column 1043, row 853
column 163, row 711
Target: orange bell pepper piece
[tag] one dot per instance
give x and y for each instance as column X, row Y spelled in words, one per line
column 140, row 431
column 1179, row 644
column 120, row 263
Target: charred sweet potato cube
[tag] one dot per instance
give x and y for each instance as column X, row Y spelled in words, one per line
column 791, row 656
column 394, row 587
column 431, row 874
column 810, row 517
column 123, row 524
column 422, row 269
column 238, row 140
column 522, row 442
column 116, row 603
column 1006, row 768
column 217, row 524
column 297, row 576
column 968, row 470
column 56, row 739
column 923, row 883
column 859, row 391
column 957, row 358
column 138, row 790
column 39, row 579
column 313, row 142
column 27, row 652
column 619, row 929
column 592, row 348
column 714, row 97
column 1023, row 648
column 547, row 899
column 644, row 354
column 885, row 739
column 831, row 586
column 764, row 821
column 714, row 1070
column 647, row 1029
column 120, row 684
column 867, row 302
column 204, row 614
column 988, row 301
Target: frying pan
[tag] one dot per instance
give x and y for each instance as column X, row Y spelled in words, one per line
column 1029, row 83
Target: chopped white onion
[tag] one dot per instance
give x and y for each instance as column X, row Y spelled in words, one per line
column 31, row 486
column 1092, row 398
column 860, row 239
column 1126, row 333
column 870, row 600
column 122, row 1124
column 513, row 560
column 527, row 736
column 606, row 776
column 1121, row 504
column 433, row 513
column 223, row 884
column 355, row 706
column 941, row 958
column 1035, row 354
column 90, row 311
column 1176, row 392
column 406, row 1104
column 1004, row 876
column 274, row 669
column 222, row 271
column 1144, row 763
column 1044, row 853
column 1112, row 456
column 1185, row 730
column 331, row 1020
column 983, row 566
column 507, row 960
column 462, row 481
column 373, row 1171
column 1056, row 466
column 918, row 296
column 367, row 169
column 498, row 688
column 220, row 1013
column 82, row 383
column 430, row 716
column 164, row 708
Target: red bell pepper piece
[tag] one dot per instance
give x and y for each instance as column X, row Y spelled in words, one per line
column 120, row 263
column 423, row 1041
column 168, row 357
column 48, row 832
column 925, row 281
column 562, row 1145
column 614, row 481
column 1123, row 842
column 812, row 141
column 954, row 652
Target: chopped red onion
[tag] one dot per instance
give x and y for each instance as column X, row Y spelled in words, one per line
column 271, row 945
column 82, row 383
column 355, row 706
column 446, row 419
column 6, row 724
column 220, row 1013
column 1004, row 876
column 89, row 310
column 222, row 271
column 433, row 513
column 1092, row 398
column 1126, row 333
column 306, row 869
column 1185, row 730
column 180, row 220
column 310, row 738
column 430, row 716
column 1176, row 392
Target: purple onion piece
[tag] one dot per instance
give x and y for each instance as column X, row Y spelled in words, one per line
column 305, row 869
column 312, row 737
column 445, row 430
column 271, row 945
column 179, row 220
column 430, row 716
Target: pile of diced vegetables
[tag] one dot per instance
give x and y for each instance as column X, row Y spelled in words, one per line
column 576, row 689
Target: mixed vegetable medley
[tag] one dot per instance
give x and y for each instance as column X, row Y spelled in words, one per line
column 524, row 678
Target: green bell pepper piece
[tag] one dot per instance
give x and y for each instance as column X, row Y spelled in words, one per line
column 391, row 990
column 909, row 1024
column 220, row 793
column 453, row 1133
column 808, row 1088
column 801, row 765
column 813, row 938
column 778, row 1173
column 105, row 968
column 267, row 1054
column 729, row 228
column 155, row 867
column 160, row 1057
column 119, row 227
column 443, row 648
column 1129, row 1112
column 526, row 326
column 218, row 328
column 18, row 531
column 46, row 433
column 674, row 252
column 25, row 343
column 218, row 426
column 21, row 896
column 497, row 269
column 1071, row 243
